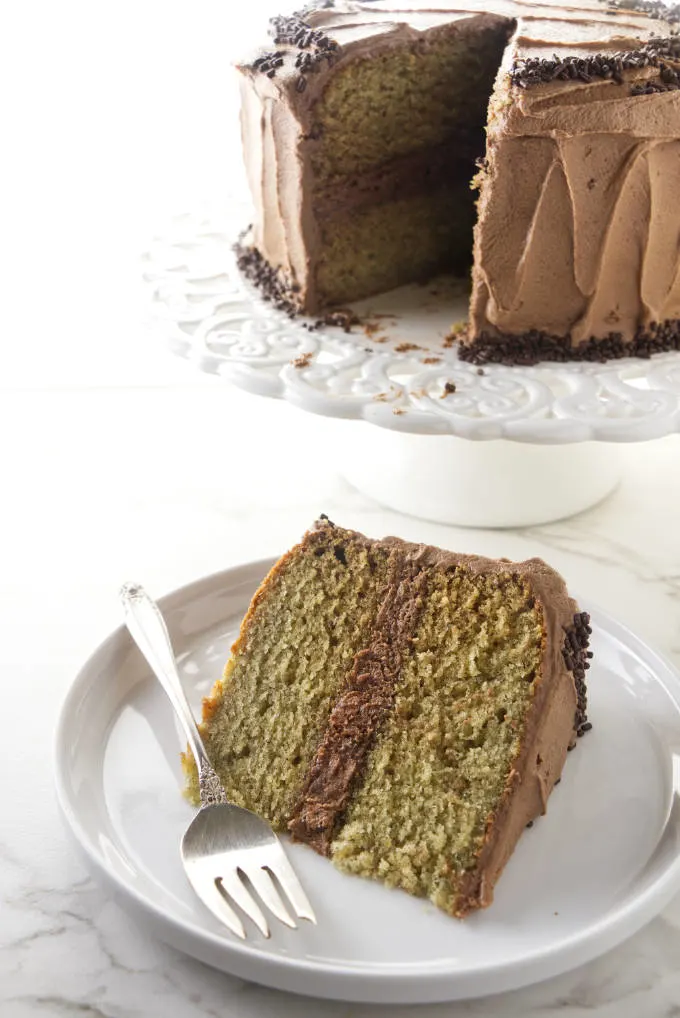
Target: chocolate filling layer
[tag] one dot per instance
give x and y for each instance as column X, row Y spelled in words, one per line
column 361, row 709
column 405, row 176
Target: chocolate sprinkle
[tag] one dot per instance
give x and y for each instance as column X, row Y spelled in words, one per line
column 576, row 657
column 269, row 63
column 534, row 346
column 652, row 88
column 652, row 8
column 270, row 281
column 311, row 46
column 669, row 80
column 527, row 72
column 276, row 288
column 343, row 319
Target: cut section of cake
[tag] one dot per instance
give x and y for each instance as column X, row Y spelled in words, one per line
column 403, row 710
column 364, row 125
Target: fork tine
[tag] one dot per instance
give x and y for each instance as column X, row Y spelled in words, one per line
column 266, row 888
column 213, row 899
column 236, row 889
column 284, row 872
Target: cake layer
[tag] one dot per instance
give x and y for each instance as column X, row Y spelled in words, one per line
column 459, row 721
column 292, row 657
column 379, row 247
column 411, row 95
column 402, row 709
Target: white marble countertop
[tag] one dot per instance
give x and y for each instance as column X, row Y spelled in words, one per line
column 118, row 462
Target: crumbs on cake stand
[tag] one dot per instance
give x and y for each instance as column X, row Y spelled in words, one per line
column 393, row 393
column 458, row 332
column 407, row 347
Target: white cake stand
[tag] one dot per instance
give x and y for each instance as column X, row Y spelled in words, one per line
column 505, row 446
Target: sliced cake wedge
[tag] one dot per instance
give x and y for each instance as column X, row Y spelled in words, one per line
column 403, row 710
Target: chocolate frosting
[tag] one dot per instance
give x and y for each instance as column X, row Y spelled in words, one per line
column 556, row 715
column 575, row 236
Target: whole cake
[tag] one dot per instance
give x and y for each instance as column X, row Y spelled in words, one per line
column 364, row 125
column 403, row 710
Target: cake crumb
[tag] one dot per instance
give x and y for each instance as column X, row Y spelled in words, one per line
column 407, row 347
column 303, row 361
column 398, row 410
column 430, row 360
column 449, row 387
column 343, row 318
column 370, row 328
column 458, row 330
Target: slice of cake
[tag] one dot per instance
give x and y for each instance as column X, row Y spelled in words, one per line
column 403, row 710
column 364, row 125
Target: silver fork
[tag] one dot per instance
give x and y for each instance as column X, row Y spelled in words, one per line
column 227, row 851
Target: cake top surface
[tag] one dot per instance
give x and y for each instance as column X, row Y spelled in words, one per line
column 558, row 40
column 548, row 584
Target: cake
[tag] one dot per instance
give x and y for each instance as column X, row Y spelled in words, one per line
column 403, row 710
column 366, row 127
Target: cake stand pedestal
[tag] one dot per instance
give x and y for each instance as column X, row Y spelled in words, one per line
column 429, row 436
column 476, row 484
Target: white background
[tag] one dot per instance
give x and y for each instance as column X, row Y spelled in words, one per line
column 118, row 462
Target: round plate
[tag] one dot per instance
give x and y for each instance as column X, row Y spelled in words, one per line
column 603, row 861
column 394, row 370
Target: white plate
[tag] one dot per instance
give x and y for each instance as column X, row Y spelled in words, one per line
column 595, row 869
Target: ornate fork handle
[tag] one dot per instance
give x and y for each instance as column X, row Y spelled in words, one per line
column 210, row 786
column 148, row 630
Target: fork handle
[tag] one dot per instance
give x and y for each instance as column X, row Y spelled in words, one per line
column 148, row 630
